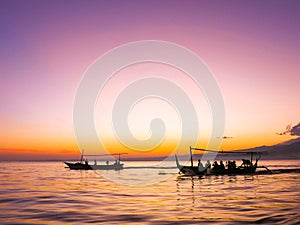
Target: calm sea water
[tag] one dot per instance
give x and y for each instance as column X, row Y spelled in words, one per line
column 48, row 193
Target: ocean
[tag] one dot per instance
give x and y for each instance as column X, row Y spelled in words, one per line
column 49, row 193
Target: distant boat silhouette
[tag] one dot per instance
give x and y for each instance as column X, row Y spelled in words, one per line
column 84, row 164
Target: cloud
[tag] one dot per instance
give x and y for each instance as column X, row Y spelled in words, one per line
column 294, row 131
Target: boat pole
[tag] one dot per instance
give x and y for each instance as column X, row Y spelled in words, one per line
column 81, row 158
column 191, row 153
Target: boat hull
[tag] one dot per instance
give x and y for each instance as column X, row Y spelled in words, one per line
column 193, row 170
column 108, row 167
column 83, row 166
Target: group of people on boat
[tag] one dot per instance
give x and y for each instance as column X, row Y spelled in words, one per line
column 202, row 167
column 117, row 162
column 230, row 165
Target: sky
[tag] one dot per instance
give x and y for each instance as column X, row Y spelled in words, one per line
column 251, row 47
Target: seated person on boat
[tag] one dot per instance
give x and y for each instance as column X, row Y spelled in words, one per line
column 200, row 166
column 207, row 164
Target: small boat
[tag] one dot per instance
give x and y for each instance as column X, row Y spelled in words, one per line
column 84, row 165
column 247, row 166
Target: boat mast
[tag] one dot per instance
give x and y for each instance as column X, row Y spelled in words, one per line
column 81, row 158
column 191, row 153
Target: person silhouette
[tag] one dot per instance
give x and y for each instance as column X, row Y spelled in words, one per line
column 200, row 166
column 207, row 164
column 222, row 167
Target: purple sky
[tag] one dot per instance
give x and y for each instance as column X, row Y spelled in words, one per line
column 253, row 48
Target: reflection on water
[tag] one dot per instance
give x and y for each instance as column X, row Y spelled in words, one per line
column 39, row 193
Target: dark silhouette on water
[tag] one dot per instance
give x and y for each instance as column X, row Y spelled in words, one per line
column 247, row 167
column 86, row 166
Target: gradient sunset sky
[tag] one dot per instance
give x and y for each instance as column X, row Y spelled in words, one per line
column 252, row 48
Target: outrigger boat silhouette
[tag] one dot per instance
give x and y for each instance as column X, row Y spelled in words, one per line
column 84, row 164
column 248, row 166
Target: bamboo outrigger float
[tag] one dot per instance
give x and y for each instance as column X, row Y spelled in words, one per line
column 247, row 166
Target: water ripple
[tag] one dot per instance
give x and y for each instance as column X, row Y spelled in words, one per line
column 30, row 195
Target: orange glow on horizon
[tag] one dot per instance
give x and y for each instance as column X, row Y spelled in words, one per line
column 55, row 153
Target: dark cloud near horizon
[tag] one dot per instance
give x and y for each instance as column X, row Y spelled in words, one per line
column 225, row 137
column 294, row 131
